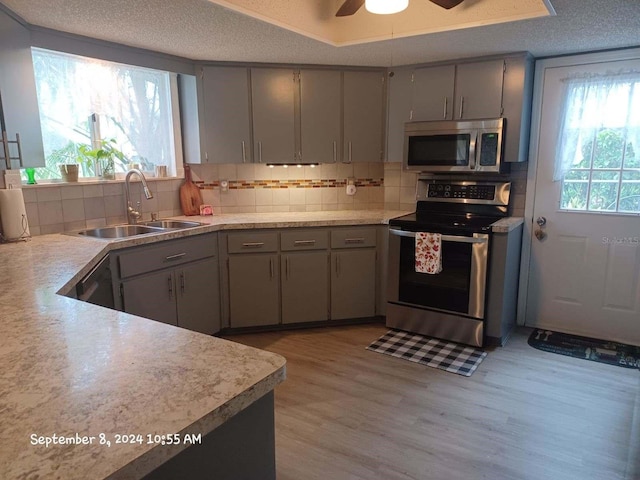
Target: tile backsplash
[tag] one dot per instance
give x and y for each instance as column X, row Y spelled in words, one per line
column 252, row 188
column 55, row 208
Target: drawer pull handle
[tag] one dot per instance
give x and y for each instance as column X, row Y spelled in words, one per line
column 175, row 257
column 302, row 243
column 253, row 244
column 354, row 240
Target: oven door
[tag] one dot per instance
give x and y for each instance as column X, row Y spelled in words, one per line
column 459, row 288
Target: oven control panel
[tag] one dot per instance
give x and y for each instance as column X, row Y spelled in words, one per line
column 462, row 191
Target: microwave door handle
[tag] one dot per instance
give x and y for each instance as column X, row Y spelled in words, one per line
column 472, row 151
column 444, row 238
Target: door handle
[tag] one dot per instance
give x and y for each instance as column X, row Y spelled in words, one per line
column 540, row 234
column 541, row 221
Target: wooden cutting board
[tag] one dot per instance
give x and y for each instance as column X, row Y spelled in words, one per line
column 190, row 196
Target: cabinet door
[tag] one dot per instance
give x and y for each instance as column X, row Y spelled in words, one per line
column 227, row 120
column 305, row 287
column 151, row 296
column 363, row 120
column 254, row 286
column 353, row 283
column 400, row 98
column 320, row 103
column 273, row 100
column 433, row 93
column 479, row 90
column 18, row 91
column 198, row 292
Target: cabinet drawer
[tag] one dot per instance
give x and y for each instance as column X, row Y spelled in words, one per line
column 166, row 254
column 353, row 238
column 252, row 242
column 304, row 240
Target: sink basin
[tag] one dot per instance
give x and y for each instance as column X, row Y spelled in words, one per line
column 120, row 231
column 172, row 224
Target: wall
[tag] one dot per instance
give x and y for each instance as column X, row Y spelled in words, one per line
column 56, row 208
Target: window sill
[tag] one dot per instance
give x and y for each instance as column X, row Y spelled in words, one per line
column 92, row 181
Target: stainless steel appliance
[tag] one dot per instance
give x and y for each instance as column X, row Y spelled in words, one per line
column 454, row 146
column 450, row 304
column 96, row 287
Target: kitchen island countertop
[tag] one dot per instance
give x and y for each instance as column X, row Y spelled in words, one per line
column 77, row 370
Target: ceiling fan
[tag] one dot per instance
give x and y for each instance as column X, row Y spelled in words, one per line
column 349, row 7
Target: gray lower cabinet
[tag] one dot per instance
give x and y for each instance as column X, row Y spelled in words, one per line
column 353, row 283
column 305, row 286
column 254, row 287
column 175, row 282
column 300, row 275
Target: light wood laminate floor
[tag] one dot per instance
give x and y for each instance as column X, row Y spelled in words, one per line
column 348, row 413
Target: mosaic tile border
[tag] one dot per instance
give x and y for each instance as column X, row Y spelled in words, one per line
column 275, row 184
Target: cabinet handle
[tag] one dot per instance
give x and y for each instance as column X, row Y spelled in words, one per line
column 335, row 151
column 175, row 257
column 461, row 106
column 303, row 243
column 446, row 105
column 338, row 265
column 182, row 282
column 354, row 240
column 350, row 152
column 170, row 287
column 253, row 244
column 286, row 271
column 259, row 152
column 271, row 267
column 244, row 153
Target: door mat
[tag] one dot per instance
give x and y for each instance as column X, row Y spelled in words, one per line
column 432, row 352
column 602, row 351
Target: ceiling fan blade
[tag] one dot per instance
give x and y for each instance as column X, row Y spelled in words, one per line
column 349, row 7
column 446, row 3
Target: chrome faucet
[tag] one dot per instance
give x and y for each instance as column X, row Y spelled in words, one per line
column 132, row 214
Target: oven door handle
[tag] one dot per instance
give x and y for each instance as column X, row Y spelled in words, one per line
column 444, row 238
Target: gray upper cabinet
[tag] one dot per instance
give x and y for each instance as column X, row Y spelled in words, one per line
column 363, row 116
column 399, row 112
column 320, row 108
column 273, row 92
column 226, row 126
column 478, row 90
column 433, row 93
column 18, row 91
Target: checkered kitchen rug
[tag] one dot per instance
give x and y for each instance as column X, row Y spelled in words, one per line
column 432, row 352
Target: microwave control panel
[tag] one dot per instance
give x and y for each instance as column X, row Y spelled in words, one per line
column 469, row 192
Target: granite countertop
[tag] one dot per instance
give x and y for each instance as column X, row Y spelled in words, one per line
column 70, row 367
column 506, row 225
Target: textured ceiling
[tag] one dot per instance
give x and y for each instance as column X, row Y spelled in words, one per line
column 201, row 30
column 316, row 18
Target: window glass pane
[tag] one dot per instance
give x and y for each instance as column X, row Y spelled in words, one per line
column 630, row 192
column 632, row 148
column 609, row 146
column 91, row 108
column 574, row 195
column 577, row 175
column 603, row 195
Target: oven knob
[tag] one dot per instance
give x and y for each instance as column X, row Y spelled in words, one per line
column 432, row 193
column 447, row 194
column 440, row 187
column 447, row 188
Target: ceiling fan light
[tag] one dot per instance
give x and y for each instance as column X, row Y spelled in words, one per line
column 385, row 7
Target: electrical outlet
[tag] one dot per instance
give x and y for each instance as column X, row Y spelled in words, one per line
column 224, row 185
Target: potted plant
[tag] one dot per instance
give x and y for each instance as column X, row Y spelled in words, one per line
column 103, row 158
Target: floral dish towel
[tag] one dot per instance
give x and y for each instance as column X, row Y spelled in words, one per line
column 428, row 253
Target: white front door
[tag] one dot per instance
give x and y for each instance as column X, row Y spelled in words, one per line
column 584, row 275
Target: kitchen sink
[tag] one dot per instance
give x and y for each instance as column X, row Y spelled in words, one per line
column 120, row 231
column 172, row 224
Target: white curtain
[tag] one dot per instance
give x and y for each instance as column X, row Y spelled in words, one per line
column 593, row 102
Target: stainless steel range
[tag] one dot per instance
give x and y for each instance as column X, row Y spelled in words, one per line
column 451, row 304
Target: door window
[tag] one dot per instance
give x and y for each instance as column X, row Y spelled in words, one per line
column 598, row 155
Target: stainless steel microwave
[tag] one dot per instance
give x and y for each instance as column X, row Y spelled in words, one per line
column 454, row 146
